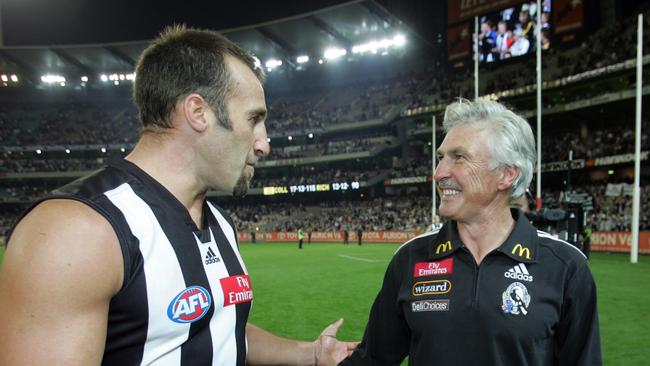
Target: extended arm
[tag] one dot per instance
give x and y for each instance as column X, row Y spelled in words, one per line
column 61, row 267
column 265, row 348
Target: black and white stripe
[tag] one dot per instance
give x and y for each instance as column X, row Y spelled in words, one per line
column 164, row 254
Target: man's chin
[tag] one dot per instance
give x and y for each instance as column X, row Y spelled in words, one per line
column 445, row 212
column 241, row 187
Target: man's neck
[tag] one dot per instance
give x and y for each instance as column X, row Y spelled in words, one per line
column 483, row 236
column 169, row 163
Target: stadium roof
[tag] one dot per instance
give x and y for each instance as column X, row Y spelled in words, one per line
column 341, row 26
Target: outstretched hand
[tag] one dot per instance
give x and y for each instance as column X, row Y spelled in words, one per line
column 329, row 351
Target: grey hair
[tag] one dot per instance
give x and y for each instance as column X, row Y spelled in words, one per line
column 512, row 142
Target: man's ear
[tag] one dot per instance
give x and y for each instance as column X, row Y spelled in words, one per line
column 196, row 111
column 509, row 175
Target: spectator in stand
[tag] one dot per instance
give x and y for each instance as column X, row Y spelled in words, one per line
column 488, row 40
column 525, row 26
column 504, row 41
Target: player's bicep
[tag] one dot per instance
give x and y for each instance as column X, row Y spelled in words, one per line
column 61, row 267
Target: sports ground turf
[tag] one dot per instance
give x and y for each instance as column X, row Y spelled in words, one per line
column 298, row 292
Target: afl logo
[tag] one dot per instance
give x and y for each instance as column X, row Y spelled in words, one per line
column 190, row 305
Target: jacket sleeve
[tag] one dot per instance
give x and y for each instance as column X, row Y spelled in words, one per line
column 387, row 335
column 578, row 335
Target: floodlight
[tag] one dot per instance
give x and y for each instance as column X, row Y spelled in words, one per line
column 4, row 78
column 103, row 149
column 121, row 76
column 14, row 78
column 84, row 79
column 290, row 138
column 273, row 63
column 67, row 151
column 384, row 44
column 49, row 78
column 311, row 135
column 302, row 59
column 103, row 77
column 38, row 151
column 268, row 139
column 399, row 40
column 333, row 53
column 116, row 82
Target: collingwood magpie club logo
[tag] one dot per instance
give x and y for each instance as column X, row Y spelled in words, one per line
column 210, row 257
column 515, row 299
column 519, row 272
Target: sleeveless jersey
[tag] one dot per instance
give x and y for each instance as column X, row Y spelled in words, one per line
column 186, row 294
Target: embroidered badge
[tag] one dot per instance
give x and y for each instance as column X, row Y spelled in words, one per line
column 515, row 299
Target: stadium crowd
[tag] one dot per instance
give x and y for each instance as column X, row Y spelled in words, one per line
column 590, row 143
column 345, row 145
column 86, row 123
column 585, row 142
column 407, row 212
column 394, row 213
column 312, row 175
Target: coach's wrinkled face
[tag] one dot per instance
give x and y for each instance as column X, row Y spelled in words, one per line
column 466, row 184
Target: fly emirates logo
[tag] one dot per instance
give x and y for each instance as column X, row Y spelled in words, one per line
column 442, row 267
column 236, row 290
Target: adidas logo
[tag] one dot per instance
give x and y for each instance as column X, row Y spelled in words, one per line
column 519, row 272
column 211, row 258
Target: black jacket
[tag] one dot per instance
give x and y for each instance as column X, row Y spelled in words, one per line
column 532, row 301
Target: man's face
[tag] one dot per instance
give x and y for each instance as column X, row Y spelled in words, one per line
column 502, row 28
column 466, row 186
column 235, row 152
column 544, row 18
column 523, row 17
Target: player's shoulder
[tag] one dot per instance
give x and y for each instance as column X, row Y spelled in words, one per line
column 65, row 233
column 559, row 249
column 61, row 216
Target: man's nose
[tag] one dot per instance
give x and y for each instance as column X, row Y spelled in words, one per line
column 261, row 144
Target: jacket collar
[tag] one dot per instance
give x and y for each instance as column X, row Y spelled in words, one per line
column 521, row 245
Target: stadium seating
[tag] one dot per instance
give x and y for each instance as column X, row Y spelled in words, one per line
column 390, row 111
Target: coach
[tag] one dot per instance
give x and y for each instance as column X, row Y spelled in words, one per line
column 487, row 288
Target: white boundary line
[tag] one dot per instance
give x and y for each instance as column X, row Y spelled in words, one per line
column 358, row 259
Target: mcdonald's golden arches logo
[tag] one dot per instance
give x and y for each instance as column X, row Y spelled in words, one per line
column 521, row 250
column 444, row 247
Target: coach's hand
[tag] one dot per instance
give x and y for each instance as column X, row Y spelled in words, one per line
column 329, row 351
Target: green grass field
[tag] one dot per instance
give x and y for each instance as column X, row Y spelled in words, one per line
column 297, row 293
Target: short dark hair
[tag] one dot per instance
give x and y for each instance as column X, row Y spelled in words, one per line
column 182, row 61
